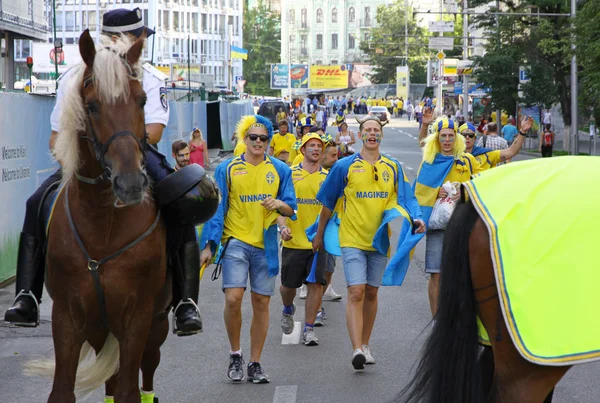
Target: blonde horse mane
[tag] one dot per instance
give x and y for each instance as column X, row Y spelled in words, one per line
column 111, row 77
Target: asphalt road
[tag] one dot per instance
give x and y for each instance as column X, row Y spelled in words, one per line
column 193, row 369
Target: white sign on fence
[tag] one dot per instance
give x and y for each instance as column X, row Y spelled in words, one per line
column 439, row 42
column 441, row 26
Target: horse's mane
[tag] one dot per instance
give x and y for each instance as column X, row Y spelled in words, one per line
column 111, row 81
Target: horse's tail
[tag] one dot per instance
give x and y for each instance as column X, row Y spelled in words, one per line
column 448, row 371
column 93, row 370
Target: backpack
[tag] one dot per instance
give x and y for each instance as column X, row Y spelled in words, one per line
column 547, row 138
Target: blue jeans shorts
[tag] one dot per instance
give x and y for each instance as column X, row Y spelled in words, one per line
column 434, row 241
column 363, row 267
column 241, row 261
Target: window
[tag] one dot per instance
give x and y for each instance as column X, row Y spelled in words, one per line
column 292, row 42
column 319, row 42
column 351, row 14
column 319, row 16
column 303, row 48
column 350, row 41
column 334, row 62
column 334, row 14
column 334, row 41
column 303, row 18
column 292, row 16
column 367, row 37
column 367, row 16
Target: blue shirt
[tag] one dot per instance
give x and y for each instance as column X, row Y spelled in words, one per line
column 509, row 132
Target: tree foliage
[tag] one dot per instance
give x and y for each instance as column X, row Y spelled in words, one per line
column 386, row 47
column 541, row 44
column 262, row 38
column 588, row 56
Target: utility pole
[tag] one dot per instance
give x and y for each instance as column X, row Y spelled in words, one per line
column 289, row 46
column 440, row 100
column 406, row 33
column 465, row 57
column 574, row 117
column 189, row 76
column 230, row 70
column 498, row 111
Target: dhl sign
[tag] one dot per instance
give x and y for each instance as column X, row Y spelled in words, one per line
column 328, row 77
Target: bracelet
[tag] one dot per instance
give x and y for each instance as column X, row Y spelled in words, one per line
column 522, row 134
column 282, row 228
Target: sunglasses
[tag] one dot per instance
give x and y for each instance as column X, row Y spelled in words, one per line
column 255, row 137
column 469, row 135
column 375, row 174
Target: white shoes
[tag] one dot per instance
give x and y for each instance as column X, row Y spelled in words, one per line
column 303, row 291
column 331, row 295
column 369, row 360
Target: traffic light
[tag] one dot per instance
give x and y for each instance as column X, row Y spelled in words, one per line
column 30, row 62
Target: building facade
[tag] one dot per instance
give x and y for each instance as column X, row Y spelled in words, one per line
column 206, row 27
column 273, row 5
column 326, row 32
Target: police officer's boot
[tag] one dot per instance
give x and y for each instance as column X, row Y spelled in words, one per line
column 25, row 309
column 187, row 319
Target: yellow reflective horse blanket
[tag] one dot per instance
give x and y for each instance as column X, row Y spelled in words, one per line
column 543, row 219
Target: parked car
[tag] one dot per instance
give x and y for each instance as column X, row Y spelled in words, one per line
column 269, row 109
column 381, row 112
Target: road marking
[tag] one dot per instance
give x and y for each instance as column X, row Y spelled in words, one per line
column 408, row 134
column 410, row 169
column 294, row 337
column 285, row 394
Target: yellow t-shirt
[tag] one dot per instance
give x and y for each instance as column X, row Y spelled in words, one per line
column 239, row 149
column 400, row 104
column 280, row 116
column 294, row 152
column 306, row 186
column 298, row 159
column 489, row 160
column 463, row 168
column 248, row 186
column 365, row 190
column 282, row 143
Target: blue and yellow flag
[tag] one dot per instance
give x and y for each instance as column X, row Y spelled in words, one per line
column 238, row 53
column 429, row 180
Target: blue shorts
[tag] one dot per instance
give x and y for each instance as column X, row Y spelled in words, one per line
column 434, row 241
column 330, row 267
column 241, row 261
column 363, row 267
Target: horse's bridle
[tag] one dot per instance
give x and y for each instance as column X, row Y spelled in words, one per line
column 101, row 149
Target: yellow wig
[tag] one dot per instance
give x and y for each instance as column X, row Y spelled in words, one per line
column 246, row 123
column 432, row 143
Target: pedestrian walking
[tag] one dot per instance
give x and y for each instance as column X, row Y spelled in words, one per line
column 546, row 142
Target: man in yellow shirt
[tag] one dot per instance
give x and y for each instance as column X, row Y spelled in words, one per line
column 305, row 126
column 255, row 188
column 368, row 183
column 282, row 142
column 297, row 255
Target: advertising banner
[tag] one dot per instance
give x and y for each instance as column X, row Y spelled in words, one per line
column 464, row 67
column 280, row 76
column 44, row 57
column 360, row 75
column 402, row 82
column 328, row 77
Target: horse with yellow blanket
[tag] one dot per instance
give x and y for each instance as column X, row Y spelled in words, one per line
column 516, row 257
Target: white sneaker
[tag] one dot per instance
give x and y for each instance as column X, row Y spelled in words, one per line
column 331, row 295
column 358, row 359
column 303, row 291
column 310, row 339
column 369, row 360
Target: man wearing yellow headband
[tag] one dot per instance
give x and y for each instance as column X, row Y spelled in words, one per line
column 297, row 255
column 370, row 185
column 255, row 188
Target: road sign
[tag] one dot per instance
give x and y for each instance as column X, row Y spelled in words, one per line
column 439, row 42
column 523, row 76
column 441, row 26
column 238, row 79
column 349, row 66
column 440, row 55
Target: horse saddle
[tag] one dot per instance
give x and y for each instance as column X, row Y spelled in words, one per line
column 47, row 206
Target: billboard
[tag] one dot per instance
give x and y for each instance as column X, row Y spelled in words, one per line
column 280, row 76
column 328, row 77
column 44, row 57
column 402, row 81
column 360, row 75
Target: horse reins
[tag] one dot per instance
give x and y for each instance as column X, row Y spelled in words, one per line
column 94, row 265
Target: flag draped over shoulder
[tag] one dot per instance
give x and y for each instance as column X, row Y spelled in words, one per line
column 429, row 179
column 405, row 208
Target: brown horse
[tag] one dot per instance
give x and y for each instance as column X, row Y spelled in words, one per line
column 106, row 261
column 451, row 369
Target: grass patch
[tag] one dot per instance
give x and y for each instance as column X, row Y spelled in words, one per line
column 8, row 256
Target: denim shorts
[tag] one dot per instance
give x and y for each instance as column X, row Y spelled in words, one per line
column 363, row 267
column 434, row 241
column 241, row 261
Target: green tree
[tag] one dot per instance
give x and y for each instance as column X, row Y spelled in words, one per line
column 385, row 49
column 541, row 44
column 262, row 36
column 588, row 56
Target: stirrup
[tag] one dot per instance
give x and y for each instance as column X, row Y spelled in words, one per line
column 37, row 309
column 187, row 301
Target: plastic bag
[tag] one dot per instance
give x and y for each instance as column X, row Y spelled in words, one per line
column 443, row 209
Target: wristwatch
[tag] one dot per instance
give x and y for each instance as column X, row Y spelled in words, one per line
column 522, row 134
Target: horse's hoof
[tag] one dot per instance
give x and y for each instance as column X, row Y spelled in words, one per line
column 156, row 400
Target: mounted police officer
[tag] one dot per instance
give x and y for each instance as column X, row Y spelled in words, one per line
column 172, row 194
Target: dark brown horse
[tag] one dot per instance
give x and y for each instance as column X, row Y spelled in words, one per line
column 122, row 316
column 452, row 370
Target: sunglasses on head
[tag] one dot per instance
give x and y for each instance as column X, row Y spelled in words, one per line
column 262, row 137
column 469, row 135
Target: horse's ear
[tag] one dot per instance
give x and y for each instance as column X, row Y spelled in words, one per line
column 87, row 48
column 135, row 51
